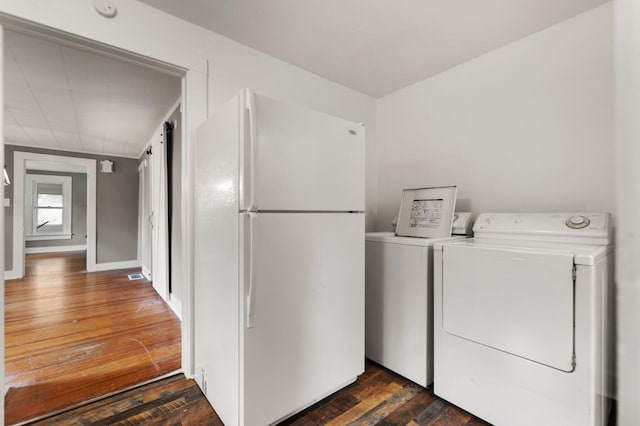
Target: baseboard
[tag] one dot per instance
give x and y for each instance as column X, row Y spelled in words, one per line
column 11, row 275
column 176, row 306
column 146, row 272
column 54, row 249
column 110, row 266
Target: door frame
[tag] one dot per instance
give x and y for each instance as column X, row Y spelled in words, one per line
column 159, row 209
column 144, row 220
column 627, row 150
column 20, row 159
column 109, row 38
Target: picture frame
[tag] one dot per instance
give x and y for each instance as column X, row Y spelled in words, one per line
column 427, row 212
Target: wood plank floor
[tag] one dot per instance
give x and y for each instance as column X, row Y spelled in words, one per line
column 73, row 336
column 378, row 397
column 381, row 397
column 171, row 401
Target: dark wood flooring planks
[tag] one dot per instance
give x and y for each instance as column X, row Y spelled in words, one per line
column 73, row 336
column 378, row 397
column 381, row 397
column 171, row 401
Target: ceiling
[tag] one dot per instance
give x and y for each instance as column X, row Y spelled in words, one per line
column 60, row 97
column 375, row 46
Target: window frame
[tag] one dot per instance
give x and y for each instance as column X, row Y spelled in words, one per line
column 31, row 182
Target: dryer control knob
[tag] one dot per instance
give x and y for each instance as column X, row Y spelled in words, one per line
column 577, row 222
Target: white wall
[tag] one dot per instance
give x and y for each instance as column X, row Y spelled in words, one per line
column 628, row 205
column 232, row 66
column 528, row 127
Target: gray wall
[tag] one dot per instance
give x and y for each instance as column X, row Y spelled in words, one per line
column 116, row 206
column 78, row 211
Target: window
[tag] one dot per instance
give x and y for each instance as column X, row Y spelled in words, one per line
column 47, row 207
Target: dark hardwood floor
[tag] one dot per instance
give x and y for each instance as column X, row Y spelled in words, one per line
column 381, row 397
column 73, row 336
column 378, row 397
column 171, row 401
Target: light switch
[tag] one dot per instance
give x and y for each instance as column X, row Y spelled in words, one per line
column 7, row 202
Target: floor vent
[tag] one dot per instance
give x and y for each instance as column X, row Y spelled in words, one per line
column 135, row 276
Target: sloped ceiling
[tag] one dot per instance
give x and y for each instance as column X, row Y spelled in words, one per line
column 375, row 46
column 60, row 97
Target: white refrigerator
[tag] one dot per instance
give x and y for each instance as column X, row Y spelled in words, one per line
column 279, row 258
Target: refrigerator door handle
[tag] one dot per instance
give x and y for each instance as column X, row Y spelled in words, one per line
column 252, row 289
column 250, row 105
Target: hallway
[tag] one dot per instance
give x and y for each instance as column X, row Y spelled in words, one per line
column 73, row 336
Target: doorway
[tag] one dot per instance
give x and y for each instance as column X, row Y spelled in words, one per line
column 22, row 162
column 91, row 260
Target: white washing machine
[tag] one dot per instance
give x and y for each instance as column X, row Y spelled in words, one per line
column 399, row 300
column 522, row 319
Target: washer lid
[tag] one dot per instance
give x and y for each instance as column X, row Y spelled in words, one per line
column 582, row 254
column 391, row 238
column 576, row 227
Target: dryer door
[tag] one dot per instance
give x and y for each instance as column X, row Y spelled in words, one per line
column 516, row 301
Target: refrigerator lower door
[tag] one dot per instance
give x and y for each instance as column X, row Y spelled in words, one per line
column 305, row 299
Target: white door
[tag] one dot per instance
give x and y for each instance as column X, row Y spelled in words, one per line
column 146, row 228
column 303, row 160
column 306, row 309
column 159, row 240
column 520, row 302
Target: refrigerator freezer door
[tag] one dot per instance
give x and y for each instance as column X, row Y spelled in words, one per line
column 307, row 297
column 304, row 160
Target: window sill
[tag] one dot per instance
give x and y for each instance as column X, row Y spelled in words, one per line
column 48, row 237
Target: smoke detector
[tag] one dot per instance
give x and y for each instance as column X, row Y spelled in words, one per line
column 105, row 8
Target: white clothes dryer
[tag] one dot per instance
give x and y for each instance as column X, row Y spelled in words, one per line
column 522, row 327
column 399, row 300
